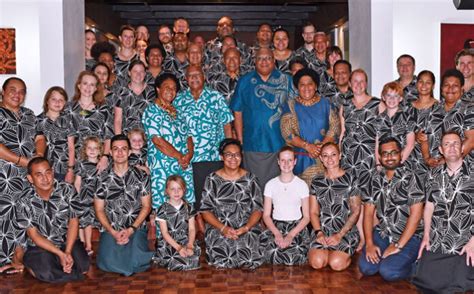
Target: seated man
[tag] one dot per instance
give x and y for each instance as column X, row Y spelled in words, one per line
column 396, row 196
column 447, row 250
column 122, row 202
column 49, row 212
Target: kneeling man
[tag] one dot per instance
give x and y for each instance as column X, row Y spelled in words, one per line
column 49, row 212
column 395, row 195
column 447, row 250
column 122, row 202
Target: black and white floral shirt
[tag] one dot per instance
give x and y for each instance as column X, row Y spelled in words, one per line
column 213, row 53
column 121, row 69
column 173, row 65
column 452, row 223
column 133, row 106
column 468, row 96
column 96, row 122
column 123, row 195
column 410, row 92
column 398, row 126
column 392, row 200
column 49, row 217
column 56, row 133
column 460, row 118
column 339, row 99
column 224, row 84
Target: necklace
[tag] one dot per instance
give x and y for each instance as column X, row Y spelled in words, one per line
column 308, row 102
column 454, row 172
column 167, row 107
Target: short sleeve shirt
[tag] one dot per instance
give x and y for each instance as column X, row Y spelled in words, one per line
column 392, row 200
column 261, row 105
column 122, row 195
column 49, row 217
column 452, row 223
column 286, row 198
column 206, row 118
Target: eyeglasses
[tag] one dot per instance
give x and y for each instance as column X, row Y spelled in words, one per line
column 264, row 58
column 229, row 155
column 391, row 153
column 386, row 96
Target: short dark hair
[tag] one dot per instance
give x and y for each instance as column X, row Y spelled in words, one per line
column 305, row 72
column 450, row 132
column 387, row 140
column 136, row 62
column 120, row 137
column 406, row 56
column 334, row 49
column 158, row 46
column 101, row 64
column 4, row 86
column 34, row 161
column 285, row 148
column 342, row 61
column 229, row 141
column 298, row 60
column 102, row 47
column 167, row 76
column 280, row 29
column 264, row 24
column 453, row 73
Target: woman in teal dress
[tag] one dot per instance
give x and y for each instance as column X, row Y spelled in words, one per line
column 170, row 143
column 307, row 122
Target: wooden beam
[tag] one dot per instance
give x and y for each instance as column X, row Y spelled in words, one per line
column 215, row 8
column 215, row 15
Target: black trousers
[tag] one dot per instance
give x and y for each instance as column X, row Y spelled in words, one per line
column 47, row 267
column 443, row 273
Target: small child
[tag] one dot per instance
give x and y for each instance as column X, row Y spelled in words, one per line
column 138, row 156
column 85, row 183
column 176, row 248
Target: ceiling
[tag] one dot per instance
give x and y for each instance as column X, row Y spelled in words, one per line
column 203, row 15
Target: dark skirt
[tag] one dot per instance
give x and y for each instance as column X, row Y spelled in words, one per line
column 296, row 253
column 47, row 267
column 443, row 273
column 127, row 259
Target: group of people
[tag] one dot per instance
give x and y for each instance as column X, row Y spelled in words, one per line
column 273, row 155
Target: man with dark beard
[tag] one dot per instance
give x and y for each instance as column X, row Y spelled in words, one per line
column 395, row 196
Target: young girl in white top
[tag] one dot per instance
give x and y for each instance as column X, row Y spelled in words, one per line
column 288, row 195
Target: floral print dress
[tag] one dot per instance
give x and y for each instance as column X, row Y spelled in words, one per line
column 17, row 133
column 177, row 221
column 232, row 203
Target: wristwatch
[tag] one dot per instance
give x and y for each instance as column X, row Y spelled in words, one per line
column 133, row 228
column 397, row 245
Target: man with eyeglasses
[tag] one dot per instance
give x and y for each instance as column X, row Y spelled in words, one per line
column 257, row 104
column 447, row 250
column 166, row 37
column 306, row 50
column 395, row 196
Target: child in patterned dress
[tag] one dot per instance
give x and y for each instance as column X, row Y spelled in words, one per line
column 138, row 156
column 85, row 184
column 176, row 246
